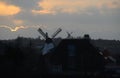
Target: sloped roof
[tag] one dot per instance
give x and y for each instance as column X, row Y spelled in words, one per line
column 80, row 44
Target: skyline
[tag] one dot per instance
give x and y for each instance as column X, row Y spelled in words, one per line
column 99, row 18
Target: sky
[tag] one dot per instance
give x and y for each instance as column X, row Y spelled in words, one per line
column 98, row 18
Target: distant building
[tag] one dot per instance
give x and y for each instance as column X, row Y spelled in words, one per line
column 76, row 55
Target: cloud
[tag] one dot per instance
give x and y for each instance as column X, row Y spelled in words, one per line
column 8, row 9
column 74, row 6
column 110, row 4
column 20, row 27
column 13, row 29
column 43, row 12
column 18, row 22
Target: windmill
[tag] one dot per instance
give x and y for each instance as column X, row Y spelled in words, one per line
column 48, row 40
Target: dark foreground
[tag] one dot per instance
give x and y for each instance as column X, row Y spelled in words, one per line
column 63, row 75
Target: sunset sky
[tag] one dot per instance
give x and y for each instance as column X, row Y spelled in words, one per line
column 99, row 18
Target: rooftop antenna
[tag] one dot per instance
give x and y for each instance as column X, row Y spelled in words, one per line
column 69, row 35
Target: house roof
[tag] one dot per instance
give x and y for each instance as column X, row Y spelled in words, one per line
column 80, row 46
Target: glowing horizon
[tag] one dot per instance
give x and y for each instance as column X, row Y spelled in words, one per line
column 19, row 27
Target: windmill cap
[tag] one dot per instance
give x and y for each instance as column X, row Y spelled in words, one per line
column 48, row 40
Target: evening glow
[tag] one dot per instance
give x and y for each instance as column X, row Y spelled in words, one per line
column 13, row 29
column 6, row 9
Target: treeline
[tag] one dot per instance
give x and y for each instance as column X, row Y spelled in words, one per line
column 21, row 42
column 36, row 43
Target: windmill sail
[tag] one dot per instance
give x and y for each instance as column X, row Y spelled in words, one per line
column 42, row 33
column 56, row 33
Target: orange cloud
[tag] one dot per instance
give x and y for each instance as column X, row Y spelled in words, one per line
column 6, row 9
column 43, row 12
column 18, row 22
column 73, row 6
